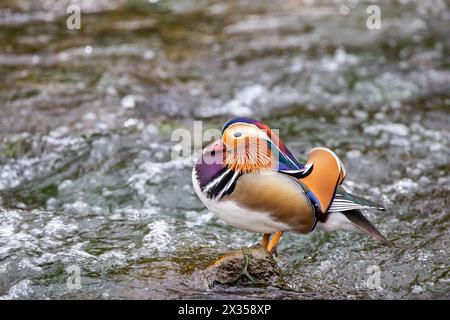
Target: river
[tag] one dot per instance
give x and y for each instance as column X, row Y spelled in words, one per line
column 88, row 183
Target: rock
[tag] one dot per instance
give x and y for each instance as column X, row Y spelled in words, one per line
column 246, row 266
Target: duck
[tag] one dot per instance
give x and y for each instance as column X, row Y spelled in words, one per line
column 252, row 181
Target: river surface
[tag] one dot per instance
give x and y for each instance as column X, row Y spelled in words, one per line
column 89, row 185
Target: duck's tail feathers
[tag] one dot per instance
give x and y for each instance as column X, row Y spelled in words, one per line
column 362, row 223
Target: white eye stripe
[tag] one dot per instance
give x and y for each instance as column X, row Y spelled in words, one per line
column 260, row 133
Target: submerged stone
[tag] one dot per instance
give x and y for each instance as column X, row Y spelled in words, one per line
column 246, row 266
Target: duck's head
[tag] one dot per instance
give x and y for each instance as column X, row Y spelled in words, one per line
column 248, row 145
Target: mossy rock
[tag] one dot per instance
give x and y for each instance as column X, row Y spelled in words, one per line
column 246, row 266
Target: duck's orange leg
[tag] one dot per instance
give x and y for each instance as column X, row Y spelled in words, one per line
column 265, row 240
column 272, row 246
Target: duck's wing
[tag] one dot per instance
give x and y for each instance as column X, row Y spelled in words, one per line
column 322, row 173
column 344, row 201
column 275, row 197
column 322, row 177
column 326, row 175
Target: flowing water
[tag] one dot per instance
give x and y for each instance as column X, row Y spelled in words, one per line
column 88, row 183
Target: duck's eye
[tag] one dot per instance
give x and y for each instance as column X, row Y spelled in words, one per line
column 237, row 134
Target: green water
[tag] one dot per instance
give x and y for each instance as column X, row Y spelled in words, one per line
column 86, row 117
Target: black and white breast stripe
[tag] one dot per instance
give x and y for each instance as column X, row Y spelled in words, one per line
column 221, row 185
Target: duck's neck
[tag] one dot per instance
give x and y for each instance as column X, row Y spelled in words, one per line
column 215, row 179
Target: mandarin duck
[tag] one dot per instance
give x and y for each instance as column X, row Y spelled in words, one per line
column 251, row 180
